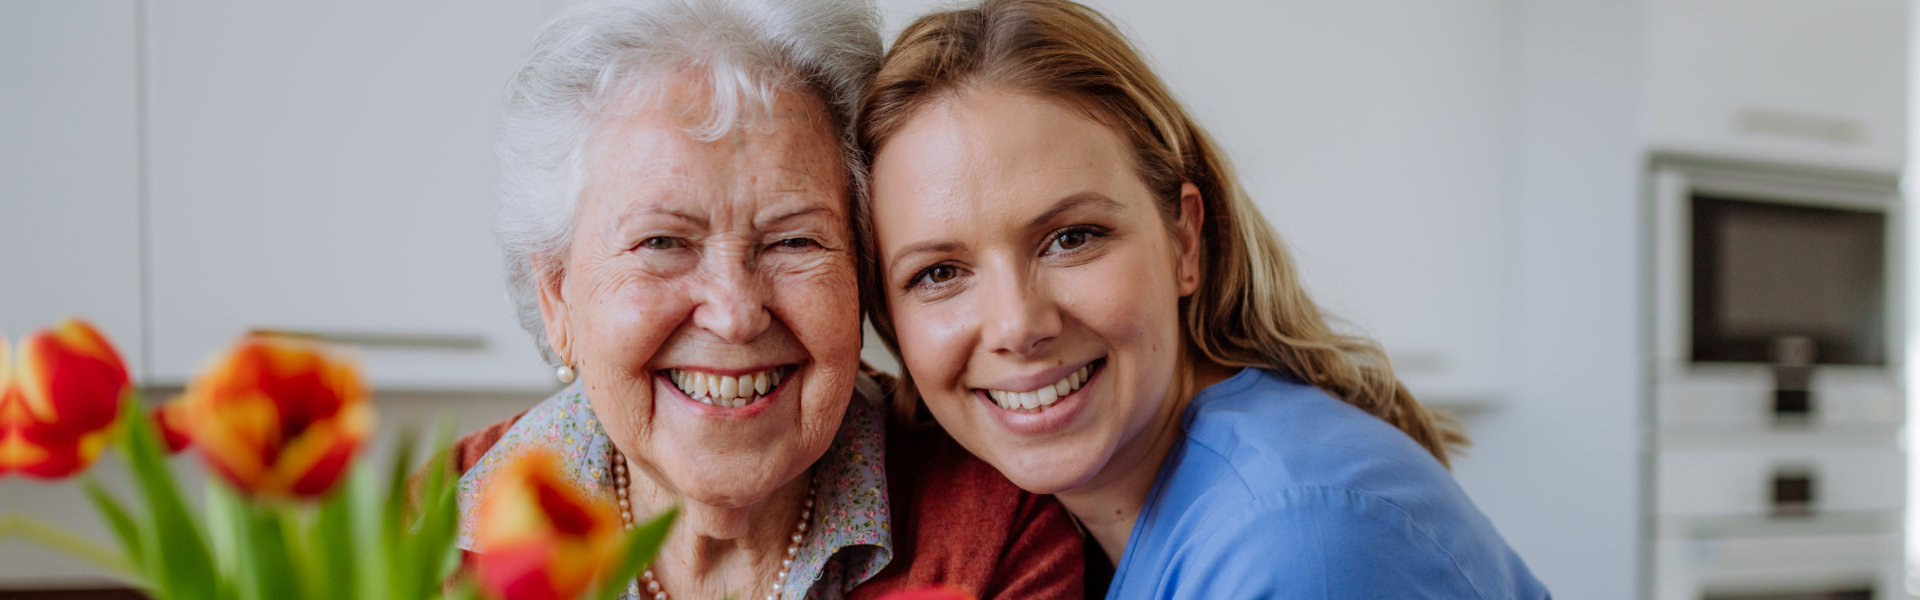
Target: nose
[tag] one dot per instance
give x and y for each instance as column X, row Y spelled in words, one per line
column 733, row 303
column 1020, row 316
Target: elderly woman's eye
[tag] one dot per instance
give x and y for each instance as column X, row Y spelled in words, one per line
column 936, row 275
column 1073, row 237
column 662, row 243
column 794, row 243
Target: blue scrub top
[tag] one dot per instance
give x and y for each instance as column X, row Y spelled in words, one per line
column 1281, row 491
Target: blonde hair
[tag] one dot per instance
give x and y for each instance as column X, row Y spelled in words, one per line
column 1250, row 309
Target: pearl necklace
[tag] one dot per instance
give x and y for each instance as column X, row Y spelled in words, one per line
column 620, row 480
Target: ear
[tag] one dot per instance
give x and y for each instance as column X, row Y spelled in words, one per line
column 1186, row 233
column 550, row 278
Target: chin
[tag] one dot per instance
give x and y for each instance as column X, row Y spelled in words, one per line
column 728, row 492
column 1043, row 472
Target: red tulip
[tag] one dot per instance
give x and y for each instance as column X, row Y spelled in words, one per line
column 538, row 537
column 278, row 416
column 928, row 593
column 65, row 394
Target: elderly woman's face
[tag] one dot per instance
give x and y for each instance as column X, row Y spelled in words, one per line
column 708, row 299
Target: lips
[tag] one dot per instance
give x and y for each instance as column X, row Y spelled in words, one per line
column 1037, row 400
column 728, row 391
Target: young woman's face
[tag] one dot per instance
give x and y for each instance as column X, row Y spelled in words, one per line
column 1034, row 285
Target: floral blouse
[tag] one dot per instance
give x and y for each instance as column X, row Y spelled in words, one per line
column 849, row 541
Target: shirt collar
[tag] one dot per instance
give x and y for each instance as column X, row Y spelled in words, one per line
column 848, row 542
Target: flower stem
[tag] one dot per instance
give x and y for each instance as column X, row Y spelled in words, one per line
column 73, row 545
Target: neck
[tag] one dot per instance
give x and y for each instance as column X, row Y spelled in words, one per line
column 1109, row 503
column 721, row 551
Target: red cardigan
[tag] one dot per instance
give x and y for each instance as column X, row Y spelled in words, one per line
column 956, row 521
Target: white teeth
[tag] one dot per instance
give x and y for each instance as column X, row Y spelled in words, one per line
column 1043, row 397
column 726, row 391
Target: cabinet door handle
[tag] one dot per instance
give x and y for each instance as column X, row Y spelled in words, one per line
column 403, row 340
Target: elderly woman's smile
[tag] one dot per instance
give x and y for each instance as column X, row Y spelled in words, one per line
column 728, row 391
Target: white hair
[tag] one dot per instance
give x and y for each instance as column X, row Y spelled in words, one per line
column 604, row 55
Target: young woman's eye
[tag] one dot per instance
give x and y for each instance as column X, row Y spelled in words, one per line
column 934, row 275
column 661, row 242
column 1072, row 238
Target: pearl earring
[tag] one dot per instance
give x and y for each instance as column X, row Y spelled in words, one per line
column 565, row 373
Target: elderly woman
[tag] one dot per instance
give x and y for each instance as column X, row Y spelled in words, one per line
column 676, row 186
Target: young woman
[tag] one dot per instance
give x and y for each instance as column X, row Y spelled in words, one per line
column 1084, row 297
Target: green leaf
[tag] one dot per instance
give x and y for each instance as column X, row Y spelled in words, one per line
column 335, row 569
column 274, row 574
column 374, row 554
column 400, row 559
column 429, row 539
column 64, row 541
column 123, row 524
column 641, row 546
column 227, row 525
column 181, row 564
column 432, row 544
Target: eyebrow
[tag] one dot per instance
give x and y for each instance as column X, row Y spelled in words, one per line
column 1098, row 201
column 808, row 211
column 696, row 220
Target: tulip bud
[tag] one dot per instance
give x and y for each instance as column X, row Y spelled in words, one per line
column 66, row 391
column 278, row 416
column 537, row 536
column 170, row 420
column 928, row 593
column 13, row 413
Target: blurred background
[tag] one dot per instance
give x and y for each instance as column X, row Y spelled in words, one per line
column 1651, row 252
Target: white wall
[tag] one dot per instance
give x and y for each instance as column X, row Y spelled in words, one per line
column 1558, row 468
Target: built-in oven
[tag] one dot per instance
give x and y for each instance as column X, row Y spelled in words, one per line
column 1774, row 462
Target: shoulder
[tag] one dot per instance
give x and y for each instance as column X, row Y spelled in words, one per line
column 959, row 522
column 1316, row 541
column 1296, row 491
column 467, row 450
column 941, row 493
column 1269, row 433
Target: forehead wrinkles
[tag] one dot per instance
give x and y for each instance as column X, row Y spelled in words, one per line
column 643, row 155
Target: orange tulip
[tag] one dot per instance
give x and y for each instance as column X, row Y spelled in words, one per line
column 278, row 416
column 65, row 394
column 538, row 537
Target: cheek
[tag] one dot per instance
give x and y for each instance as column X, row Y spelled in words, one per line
column 621, row 316
column 821, row 305
column 933, row 343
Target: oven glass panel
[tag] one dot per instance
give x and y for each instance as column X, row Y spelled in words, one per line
column 1764, row 272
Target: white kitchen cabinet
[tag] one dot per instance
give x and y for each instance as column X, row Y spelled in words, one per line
column 326, row 167
column 69, row 219
column 69, row 168
column 1821, row 83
